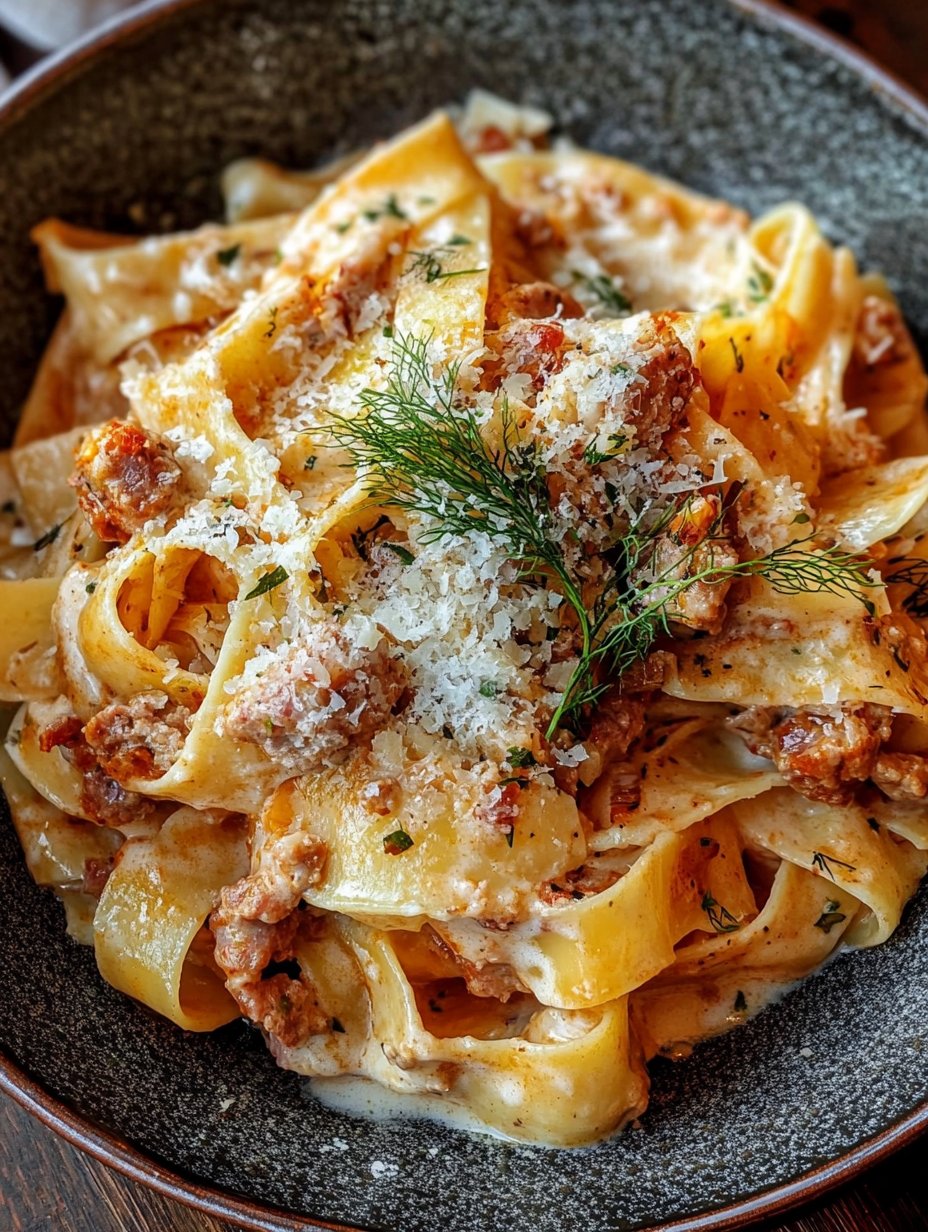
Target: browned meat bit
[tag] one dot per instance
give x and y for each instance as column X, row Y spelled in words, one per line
column 501, row 807
column 107, row 803
column 881, row 338
column 693, row 544
column 535, row 348
column 497, row 980
column 536, row 230
column 64, row 732
column 901, row 776
column 490, row 140
column 578, row 883
column 103, row 800
column 617, row 723
column 285, row 1006
column 286, row 868
column 96, row 875
column 140, row 739
column 657, row 401
column 823, row 754
column 316, row 700
column 535, row 300
column 124, row 477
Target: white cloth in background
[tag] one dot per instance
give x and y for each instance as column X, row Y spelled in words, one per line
column 47, row 24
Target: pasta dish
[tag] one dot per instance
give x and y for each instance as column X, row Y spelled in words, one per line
column 465, row 614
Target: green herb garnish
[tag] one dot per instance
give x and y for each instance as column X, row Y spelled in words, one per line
column 720, row 917
column 824, row 864
column 268, row 582
column 605, row 290
column 389, row 209
column 227, row 256
column 912, row 572
column 830, row 916
column 760, row 284
column 404, row 554
column 423, row 449
column 739, row 358
column 429, row 264
column 396, row 843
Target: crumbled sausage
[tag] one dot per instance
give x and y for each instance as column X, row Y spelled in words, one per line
column 824, row 754
column 107, row 803
column 694, row 544
column 96, row 875
column 579, row 883
column 124, row 476
column 316, row 700
column 901, row 776
column 501, row 807
column 286, row 868
column 535, row 300
column 286, row 1007
column 536, row 348
column 617, row 723
column 140, row 739
column 64, row 732
column 103, row 800
column 657, row 402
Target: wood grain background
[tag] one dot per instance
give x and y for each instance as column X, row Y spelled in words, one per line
column 48, row 1186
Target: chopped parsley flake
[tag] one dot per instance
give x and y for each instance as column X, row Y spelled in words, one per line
column 404, row 554
column 605, row 291
column 228, row 256
column 268, row 582
column 389, row 209
column 720, row 917
column 830, row 916
column 396, row 843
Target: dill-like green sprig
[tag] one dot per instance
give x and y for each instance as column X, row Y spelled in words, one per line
column 422, row 448
column 912, row 571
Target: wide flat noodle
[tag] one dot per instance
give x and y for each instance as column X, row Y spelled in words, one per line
column 154, row 904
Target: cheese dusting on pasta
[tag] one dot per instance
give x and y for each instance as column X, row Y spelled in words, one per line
column 465, row 614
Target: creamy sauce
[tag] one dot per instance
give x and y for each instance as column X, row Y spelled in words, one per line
column 365, row 1099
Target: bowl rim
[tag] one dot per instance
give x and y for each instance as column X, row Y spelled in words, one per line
column 38, row 83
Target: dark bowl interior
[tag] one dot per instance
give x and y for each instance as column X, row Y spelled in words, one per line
column 729, row 101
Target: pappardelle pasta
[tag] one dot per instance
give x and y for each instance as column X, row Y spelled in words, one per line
column 465, row 614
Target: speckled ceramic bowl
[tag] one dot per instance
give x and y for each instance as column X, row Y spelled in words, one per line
column 732, row 99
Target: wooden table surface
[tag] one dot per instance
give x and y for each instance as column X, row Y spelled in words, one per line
column 48, row 1186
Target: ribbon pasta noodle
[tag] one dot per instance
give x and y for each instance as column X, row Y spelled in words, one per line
column 465, row 614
